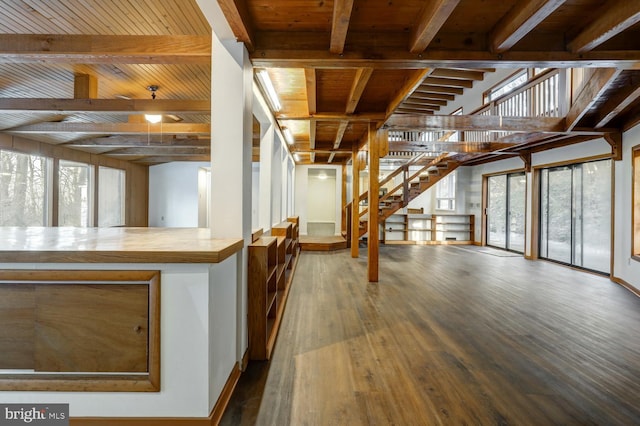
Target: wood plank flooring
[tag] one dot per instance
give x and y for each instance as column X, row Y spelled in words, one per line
column 447, row 336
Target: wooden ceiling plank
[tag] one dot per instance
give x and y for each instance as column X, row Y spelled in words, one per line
column 340, row 24
column 434, row 15
column 311, row 85
column 96, row 49
column 477, row 122
column 237, row 15
column 520, row 21
column 616, row 104
column 114, row 106
column 599, row 82
column 357, row 88
column 115, row 128
column 615, row 19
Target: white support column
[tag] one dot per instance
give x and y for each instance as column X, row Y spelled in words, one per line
column 231, row 155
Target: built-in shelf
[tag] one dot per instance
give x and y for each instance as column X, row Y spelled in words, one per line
column 272, row 262
column 428, row 229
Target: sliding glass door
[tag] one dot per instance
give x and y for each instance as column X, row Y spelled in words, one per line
column 575, row 215
column 506, row 211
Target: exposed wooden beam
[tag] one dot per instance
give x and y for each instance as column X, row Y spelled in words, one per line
column 357, row 88
column 312, row 138
column 237, row 15
column 310, row 82
column 340, row 134
column 85, row 86
column 98, row 49
column 449, row 82
column 599, row 82
column 613, row 19
column 476, row 122
column 418, row 98
column 331, row 156
column 159, row 150
column 169, row 158
column 428, row 88
column 115, row 106
column 438, row 146
column 418, row 104
column 615, row 140
column 132, row 141
column 434, row 14
column 373, row 243
column 409, row 87
column 340, row 24
column 616, row 104
column 114, row 128
column 334, row 116
column 355, row 201
column 431, row 95
column 392, row 58
column 460, row 74
column 519, row 21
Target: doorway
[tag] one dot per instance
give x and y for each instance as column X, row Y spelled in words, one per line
column 575, row 215
column 506, row 198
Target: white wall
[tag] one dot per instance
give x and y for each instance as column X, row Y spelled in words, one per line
column 302, row 194
column 173, row 194
column 624, row 267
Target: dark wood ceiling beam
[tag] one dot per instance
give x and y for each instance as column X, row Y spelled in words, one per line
column 430, row 95
column 112, row 106
column 159, row 150
column 419, row 105
column 613, row 20
column 459, row 74
column 392, row 58
column 448, row 82
column 99, row 49
column 519, row 21
column 427, row 88
column 357, row 88
column 476, row 123
column 334, row 116
column 590, row 94
column 410, row 85
column 451, row 146
column 340, row 24
column 237, row 15
column 169, row 158
column 417, row 99
column 616, row 104
column 434, row 15
column 114, row 128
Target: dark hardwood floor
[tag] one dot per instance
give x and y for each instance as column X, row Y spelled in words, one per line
column 448, row 336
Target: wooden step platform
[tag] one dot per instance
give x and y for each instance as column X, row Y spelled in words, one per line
column 312, row 243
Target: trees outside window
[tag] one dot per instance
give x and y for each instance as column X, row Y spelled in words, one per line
column 23, row 189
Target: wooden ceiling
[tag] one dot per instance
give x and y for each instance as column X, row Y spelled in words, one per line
column 76, row 72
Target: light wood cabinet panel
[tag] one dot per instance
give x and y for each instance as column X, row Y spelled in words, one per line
column 17, row 303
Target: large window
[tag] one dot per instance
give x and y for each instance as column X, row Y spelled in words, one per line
column 111, row 195
column 28, row 192
column 446, row 192
column 636, row 201
column 575, row 215
column 74, row 197
column 506, row 211
column 23, row 189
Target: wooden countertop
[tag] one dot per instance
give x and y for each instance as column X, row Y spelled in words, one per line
column 113, row 245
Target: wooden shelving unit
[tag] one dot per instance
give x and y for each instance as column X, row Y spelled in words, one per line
column 272, row 262
column 428, row 229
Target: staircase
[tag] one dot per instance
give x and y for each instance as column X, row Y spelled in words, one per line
column 412, row 185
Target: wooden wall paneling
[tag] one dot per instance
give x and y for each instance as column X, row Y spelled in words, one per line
column 17, row 304
column 77, row 329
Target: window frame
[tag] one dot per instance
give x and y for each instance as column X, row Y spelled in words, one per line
column 451, row 201
column 635, row 203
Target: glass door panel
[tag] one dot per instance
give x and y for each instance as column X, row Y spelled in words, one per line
column 517, row 186
column 497, row 211
column 596, row 216
column 559, row 215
